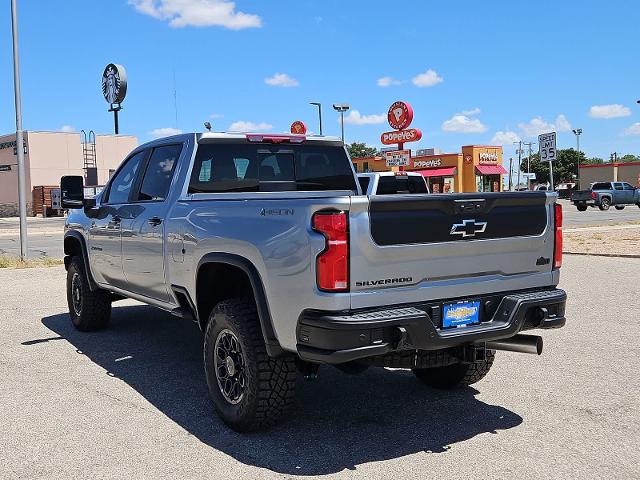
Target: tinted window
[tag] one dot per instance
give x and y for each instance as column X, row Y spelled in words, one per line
column 618, row 186
column 364, row 184
column 265, row 167
column 601, row 186
column 157, row 176
column 628, row 186
column 389, row 185
column 123, row 182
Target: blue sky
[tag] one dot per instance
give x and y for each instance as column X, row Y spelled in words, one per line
column 470, row 69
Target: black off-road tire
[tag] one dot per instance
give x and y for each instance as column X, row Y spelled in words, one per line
column 605, row 203
column 619, row 207
column 457, row 375
column 269, row 383
column 89, row 310
column 581, row 208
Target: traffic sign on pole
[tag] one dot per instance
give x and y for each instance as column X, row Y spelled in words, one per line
column 548, row 151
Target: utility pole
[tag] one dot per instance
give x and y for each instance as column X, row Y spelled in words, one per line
column 529, row 144
column 519, row 143
column 510, row 171
column 22, row 202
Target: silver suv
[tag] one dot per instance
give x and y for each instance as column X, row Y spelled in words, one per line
column 268, row 244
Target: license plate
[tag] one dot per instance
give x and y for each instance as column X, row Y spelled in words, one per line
column 460, row 314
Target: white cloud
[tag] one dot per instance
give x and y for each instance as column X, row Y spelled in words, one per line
column 67, row 129
column 538, row 125
column 356, row 118
column 427, row 79
column 633, row 129
column 609, row 111
column 463, row 124
column 473, row 111
column 164, row 132
column 281, row 80
column 505, row 138
column 388, row 81
column 197, row 13
column 243, row 126
column 562, row 124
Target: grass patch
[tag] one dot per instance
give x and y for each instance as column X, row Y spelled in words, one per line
column 15, row 262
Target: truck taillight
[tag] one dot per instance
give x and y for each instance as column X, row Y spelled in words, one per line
column 593, row 195
column 332, row 265
column 557, row 253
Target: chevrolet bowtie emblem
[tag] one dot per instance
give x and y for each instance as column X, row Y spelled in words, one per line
column 468, row 228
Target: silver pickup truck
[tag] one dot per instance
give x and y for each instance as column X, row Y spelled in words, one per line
column 268, row 244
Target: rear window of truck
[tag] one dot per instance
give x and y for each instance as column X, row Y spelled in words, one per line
column 228, row 167
column 391, row 185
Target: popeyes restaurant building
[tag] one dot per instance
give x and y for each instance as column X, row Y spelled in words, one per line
column 478, row 168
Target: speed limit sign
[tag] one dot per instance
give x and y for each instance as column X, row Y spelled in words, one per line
column 547, row 142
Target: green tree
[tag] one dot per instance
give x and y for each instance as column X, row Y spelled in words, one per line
column 360, row 150
column 628, row 158
column 565, row 168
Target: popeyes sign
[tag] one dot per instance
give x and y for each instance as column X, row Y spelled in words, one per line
column 298, row 128
column 400, row 116
column 401, row 136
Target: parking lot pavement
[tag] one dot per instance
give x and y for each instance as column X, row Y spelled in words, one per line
column 131, row 401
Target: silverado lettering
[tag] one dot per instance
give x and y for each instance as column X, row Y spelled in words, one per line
column 386, row 281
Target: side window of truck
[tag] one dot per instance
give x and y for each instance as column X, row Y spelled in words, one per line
column 122, row 183
column 159, row 172
column 628, row 186
column 618, row 186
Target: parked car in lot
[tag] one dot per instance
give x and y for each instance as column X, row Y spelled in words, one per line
column 267, row 243
column 389, row 183
column 605, row 194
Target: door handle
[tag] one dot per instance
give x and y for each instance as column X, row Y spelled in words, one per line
column 155, row 221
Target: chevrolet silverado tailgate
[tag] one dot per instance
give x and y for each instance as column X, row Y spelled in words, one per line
column 412, row 248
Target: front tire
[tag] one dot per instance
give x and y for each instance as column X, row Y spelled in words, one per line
column 89, row 310
column 605, row 203
column 250, row 390
column 458, row 375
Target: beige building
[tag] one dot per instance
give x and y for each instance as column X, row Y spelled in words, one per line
column 610, row 172
column 50, row 155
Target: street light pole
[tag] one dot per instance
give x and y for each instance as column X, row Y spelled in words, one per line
column 341, row 107
column 577, row 132
column 22, row 202
column 319, row 105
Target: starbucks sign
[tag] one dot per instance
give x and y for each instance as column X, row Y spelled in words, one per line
column 114, row 83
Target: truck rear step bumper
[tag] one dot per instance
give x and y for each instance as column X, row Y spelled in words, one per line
column 339, row 337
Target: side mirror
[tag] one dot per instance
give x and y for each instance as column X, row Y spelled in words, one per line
column 72, row 191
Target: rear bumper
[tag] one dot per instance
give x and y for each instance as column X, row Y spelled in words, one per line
column 338, row 337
